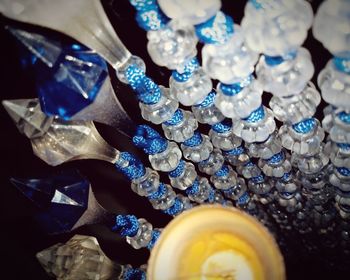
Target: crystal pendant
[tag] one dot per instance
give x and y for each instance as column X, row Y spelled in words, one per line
column 56, row 141
column 65, row 201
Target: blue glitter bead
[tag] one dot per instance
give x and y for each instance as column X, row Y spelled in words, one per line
column 243, row 199
column 178, row 170
column 223, row 171
column 256, row 116
column 344, row 117
column 223, row 126
column 216, row 30
column 258, row 179
column 155, row 236
column 208, row 101
column 189, row 68
column 194, row 188
column 175, row 209
column 276, row 158
column 194, row 141
column 344, row 146
column 305, row 126
column 286, row 177
column 162, row 190
column 175, row 119
column 126, row 225
column 151, row 18
column 149, row 140
column 140, row 5
column 342, row 64
column 276, row 60
column 344, row 171
column 134, row 274
column 235, row 152
column 134, row 169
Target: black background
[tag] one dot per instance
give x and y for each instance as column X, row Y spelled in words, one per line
column 20, row 237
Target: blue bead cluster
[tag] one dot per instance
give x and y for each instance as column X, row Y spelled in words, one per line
column 134, row 168
column 216, row 30
column 175, row 209
column 126, row 225
column 256, row 116
column 342, row 64
column 276, row 158
column 155, row 236
column 344, row 171
column 223, row 171
column 344, row 117
column 159, row 193
column 344, row 146
column 194, row 188
column 149, row 140
column 223, row 126
column 175, row 119
column 305, row 126
column 235, row 152
column 134, row 274
column 208, row 101
column 258, row 179
column 178, row 170
column 194, row 141
column 189, row 68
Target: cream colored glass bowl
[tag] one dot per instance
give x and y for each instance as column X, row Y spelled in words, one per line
column 215, row 242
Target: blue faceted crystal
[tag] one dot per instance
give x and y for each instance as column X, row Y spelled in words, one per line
column 61, row 200
column 305, row 126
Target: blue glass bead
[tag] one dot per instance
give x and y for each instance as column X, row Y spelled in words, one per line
column 134, row 168
column 223, row 171
column 344, row 171
column 276, row 60
column 256, row 116
column 216, row 30
column 342, row 64
column 223, row 126
column 126, row 225
column 176, row 118
column 286, row 177
column 243, row 199
column 344, row 146
column 235, row 152
column 134, row 274
column 151, row 18
column 159, row 193
column 189, row 68
column 208, row 101
column 178, row 170
column 258, row 179
column 344, row 117
column 194, row 188
column 155, row 236
column 195, row 140
column 276, row 158
column 149, row 140
column 305, row 126
column 175, row 209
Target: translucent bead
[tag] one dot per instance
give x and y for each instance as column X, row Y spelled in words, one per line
column 287, row 78
column 212, row 164
column 162, row 110
column 224, row 178
column 192, row 91
column 163, row 198
column 237, row 156
column 181, row 130
column 238, row 191
column 147, row 184
column 335, row 86
column 285, row 188
column 173, row 45
column 242, row 103
column 315, row 181
column 339, row 154
column 276, row 166
column 255, row 129
column 225, row 140
column 229, row 62
column 294, row 108
column 200, row 191
column 186, row 178
column 198, row 152
column 166, row 160
column 340, row 180
column 338, row 130
column 271, row 146
column 193, row 12
column 278, row 27
column 248, row 170
column 331, row 26
column 343, row 206
column 143, row 235
column 291, row 203
column 133, row 60
column 206, row 111
column 307, row 143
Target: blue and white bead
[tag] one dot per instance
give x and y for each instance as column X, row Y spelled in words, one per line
column 224, row 178
column 197, row 148
column 276, row 166
column 222, row 137
column 237, row 156
column 339, row 154
column 259, row 186
column 266, row 149
column 183, row 176
column 213, row 163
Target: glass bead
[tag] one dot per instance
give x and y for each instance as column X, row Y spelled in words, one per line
column 271, row 146
column 237, row 156
column 147, row 184
column 339, row 154
column 167, row 160
column 200, row 191
column 276, row 166
column 226, row 180
column 212, row 164
column 186, row 179
column 199, row 152
column 143, row 235
column 165, row 200
column 225, row 141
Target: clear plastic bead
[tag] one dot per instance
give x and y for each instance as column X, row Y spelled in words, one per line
column 207, row 112
column 287, row 78
column 212, row 164
column 173, row 45
column 133, row 60
column 340, row 181
column 167, row 160
column 143, row 235
column 229, row 62
column 162, row 110
column 147, row 184
column 192, row 91
column 276, row 168
column 237, row 157
column 204, row 189
column 225, row 141
column 339, row 154
column 198, row 153
column 338, row 130
column 224, row 182
column 186, row 179
column 248, row 170
column 165, row 201
column 271, row 146
column 183, row 130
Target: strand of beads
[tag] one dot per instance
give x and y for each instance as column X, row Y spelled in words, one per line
column 331, row 28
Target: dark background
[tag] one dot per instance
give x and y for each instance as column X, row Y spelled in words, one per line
column 20, row 236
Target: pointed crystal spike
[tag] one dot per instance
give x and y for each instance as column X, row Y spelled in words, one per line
column 64, row 201
column 60, row 141
column 84, row 20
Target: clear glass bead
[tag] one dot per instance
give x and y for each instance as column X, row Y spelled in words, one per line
column 147, row 184
column 340, row 181
column 173, row 45
column 291, row 204
column 165, row 201
column 259, row 188
column 198, row 153
column 212, row 164
column 275, row 169
column 271, row 146
column 314, row 181
column 207, row 113
column 248, row 170
column 143, row 235
column 225, row 141
column 162, row 110
column 229, row 62
column 339, row 131
column 133, row 60
column 224, row 182
column 339, row 155
column 237, row 159
column 167, row 160
column 237, row 191
column 203, row 193
column 183, row 130
column 343, row 206
column 186, row 179
column 192, row 91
